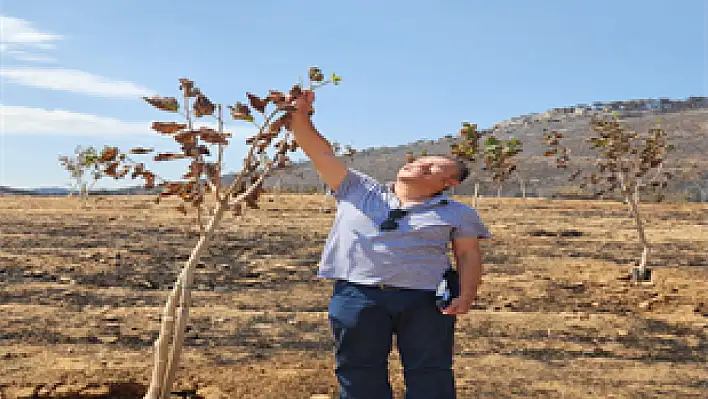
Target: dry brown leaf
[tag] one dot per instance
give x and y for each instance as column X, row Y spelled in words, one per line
column 168, row 156
column 168, row 127
column 195, row 170
column 187, row 87
column 259, row 104
column 276, row 97
column 203, row 106
column 211, row 136
column 169, row 104
column 283, row 122
column 141, row 150
column 315, row 74
column 109, row 154
column 241, row 111
column 188, row 137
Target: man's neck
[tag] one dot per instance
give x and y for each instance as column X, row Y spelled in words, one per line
column 409, row 195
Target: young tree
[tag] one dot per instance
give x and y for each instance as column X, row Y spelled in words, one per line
column 499, row 159
column 204, row 177
column 81, row 164
column 626, row 163
column 467, row 149
column 497, row 155
column 87, row 163
column 411, row 157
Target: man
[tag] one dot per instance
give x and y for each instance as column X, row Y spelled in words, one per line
column 386, row 252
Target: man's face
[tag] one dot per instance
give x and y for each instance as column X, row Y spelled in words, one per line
column 432, row 172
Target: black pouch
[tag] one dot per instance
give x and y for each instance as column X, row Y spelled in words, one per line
column 448, row 288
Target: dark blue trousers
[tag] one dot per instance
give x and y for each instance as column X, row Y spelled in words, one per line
column 364, row 320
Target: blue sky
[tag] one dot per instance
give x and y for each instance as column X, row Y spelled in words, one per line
column 72, row 72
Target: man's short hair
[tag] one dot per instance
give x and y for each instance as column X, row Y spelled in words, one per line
column 463, row 171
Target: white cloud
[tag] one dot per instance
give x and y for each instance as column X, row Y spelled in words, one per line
column 20, row 40
column 74, row 81
column 19, row 120
column 22, row 55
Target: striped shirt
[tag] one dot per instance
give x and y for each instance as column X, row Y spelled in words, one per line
column 414, row 255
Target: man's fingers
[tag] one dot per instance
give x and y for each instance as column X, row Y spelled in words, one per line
column 307, row 96
column 304, row 101
column 456, row 307
column 310, row 95
column 450, row 309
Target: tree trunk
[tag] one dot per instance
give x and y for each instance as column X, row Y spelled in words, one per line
column 631, row 197
column 165, row 367
column 220, row 156
column 523, row 188
column 324, row 197
column 499, row 190
column 634, row 208
column 476, row 194
column 83, row 194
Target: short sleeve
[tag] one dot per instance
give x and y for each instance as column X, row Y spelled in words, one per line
column 470, row 225
column 354, row 186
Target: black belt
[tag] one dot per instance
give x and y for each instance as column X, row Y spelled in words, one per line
column 377, row 286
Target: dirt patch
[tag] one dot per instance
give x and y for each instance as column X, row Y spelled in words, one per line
column 81, row 293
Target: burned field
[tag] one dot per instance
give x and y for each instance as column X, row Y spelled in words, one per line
column 82, row 291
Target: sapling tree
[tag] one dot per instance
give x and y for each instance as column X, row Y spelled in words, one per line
column 78, row 166
column 499, row 160
column 626, row 163
column 81, row 167
column 271, row 115
column 90, row 164
column 411, row 157
column 497, row 155
column 467, row 149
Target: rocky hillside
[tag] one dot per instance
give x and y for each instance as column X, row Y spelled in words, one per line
column 686, row 122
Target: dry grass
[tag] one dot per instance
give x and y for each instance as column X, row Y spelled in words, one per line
column 81, row 292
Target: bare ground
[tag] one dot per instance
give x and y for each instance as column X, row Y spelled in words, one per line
column 82, row 290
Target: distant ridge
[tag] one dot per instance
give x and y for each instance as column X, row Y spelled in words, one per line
column 685, row 120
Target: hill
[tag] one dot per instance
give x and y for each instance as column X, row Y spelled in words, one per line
column 686, row 122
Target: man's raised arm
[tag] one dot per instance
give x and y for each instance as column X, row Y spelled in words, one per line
column 317, row 148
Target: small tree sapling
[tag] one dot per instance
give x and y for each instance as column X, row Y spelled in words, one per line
column 497, row 155
column 627, row 163
column 204, row 177
column 499, row 159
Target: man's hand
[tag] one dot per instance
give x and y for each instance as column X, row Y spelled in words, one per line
column 458, row 306
column 469, row 265
column 303, row 103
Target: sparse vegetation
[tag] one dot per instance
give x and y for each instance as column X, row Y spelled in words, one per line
column 564, row 306
column 553, row 314
column 87, row 164
column 626, row 162
column 497, row 155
